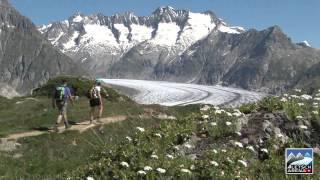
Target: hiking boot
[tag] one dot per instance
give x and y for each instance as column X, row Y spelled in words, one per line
column 55, row 129
column 99, row 122
column 68, row 126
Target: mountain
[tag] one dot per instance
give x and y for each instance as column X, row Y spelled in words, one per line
column 101, row 42
column 179, row 45
column 26, row 58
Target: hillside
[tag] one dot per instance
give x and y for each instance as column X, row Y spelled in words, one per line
column 187, row 142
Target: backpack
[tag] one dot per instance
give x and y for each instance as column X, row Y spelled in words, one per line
column 59, row 93
column 92, row 93
column 88, row 94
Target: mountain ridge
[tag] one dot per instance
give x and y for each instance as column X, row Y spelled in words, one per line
column 183, row 46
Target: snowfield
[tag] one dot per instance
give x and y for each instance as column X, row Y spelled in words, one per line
column 171, row 94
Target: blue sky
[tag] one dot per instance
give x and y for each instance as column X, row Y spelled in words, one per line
column 299, row 19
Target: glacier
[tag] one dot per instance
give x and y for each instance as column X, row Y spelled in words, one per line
column 172, row 94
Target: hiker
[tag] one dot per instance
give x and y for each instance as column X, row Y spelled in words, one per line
column 61, row 95
column 96, row 103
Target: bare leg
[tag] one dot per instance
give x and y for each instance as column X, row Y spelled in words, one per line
column 92, row 112
column 100, row 110
column 65, row 118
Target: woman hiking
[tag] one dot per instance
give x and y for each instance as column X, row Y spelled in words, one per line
column 96, row 103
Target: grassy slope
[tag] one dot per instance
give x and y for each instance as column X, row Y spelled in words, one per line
column 50, row 154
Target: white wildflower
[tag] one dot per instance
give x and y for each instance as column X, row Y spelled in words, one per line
column 294, row 96
column 205, row 116
column 298, row 90
column 214, row 151
column 214, row 163
column 306, row 97
column 147, row 168
column 244, row 163
column 251, row 148
column 140, row 129
column 218, row 111
column 187, row 146
column 238, row 133
column 158, row 135
column 229, row 160
column 317, row 99
column 223, row 150
column 222, row 173
column 169, row 156
column 90, row 178
column 141, row 172
column 129, row 138
column 228, row 123
column 186, row 171
column 176, row 148
column 315, row 112
column 315, row 104
column 283, row 99
column 205, row 108
column 153, row 156
column 124, row 164
column 160, row 170
column 303, row 127
column 264, row 150
column 229, row 114
column 285, row 95
column 192, row 167
column 299, row 117
column 216, row 107
column 213, row 123
column 239, row 144
column 237, row 114
column 300, row 104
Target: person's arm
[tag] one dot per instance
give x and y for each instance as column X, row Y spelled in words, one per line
column 70, row 96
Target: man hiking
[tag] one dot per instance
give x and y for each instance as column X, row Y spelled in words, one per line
column 96, row 103
column 61, row 95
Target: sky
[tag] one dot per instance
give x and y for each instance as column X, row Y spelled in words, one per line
column 299, row 19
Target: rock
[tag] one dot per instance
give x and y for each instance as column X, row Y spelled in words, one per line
column 245, row 141
column 269, row 116
column 266, row 124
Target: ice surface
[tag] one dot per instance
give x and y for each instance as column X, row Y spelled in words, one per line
column 170, row 94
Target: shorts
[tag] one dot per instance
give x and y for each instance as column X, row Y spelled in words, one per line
column 95, row 102
column 62, row 107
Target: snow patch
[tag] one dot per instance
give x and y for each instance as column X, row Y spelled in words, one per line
column 166, row 35
column 140, row 32
column 71, row 43
column 198, row 26
column 231, row 30
column 78, row 18
column 96, row 34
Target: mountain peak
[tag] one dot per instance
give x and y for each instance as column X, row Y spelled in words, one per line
column 163, row 10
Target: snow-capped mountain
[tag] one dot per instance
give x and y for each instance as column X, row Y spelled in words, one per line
column 99, row 41
column 183, row 46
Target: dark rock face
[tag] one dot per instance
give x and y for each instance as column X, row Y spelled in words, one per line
column 26, row 58
column 264, row 60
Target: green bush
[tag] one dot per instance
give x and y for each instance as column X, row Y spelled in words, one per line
column 270, row 103
column 79, row 87
column 248, row 107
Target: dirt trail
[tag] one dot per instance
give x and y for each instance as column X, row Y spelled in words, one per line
column 81, row 127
